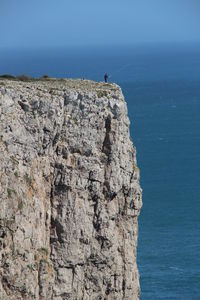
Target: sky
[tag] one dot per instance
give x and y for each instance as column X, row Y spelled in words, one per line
column 58, row 23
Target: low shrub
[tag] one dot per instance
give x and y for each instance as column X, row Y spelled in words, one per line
column 7, row 76
column 24, row 78
column 45, row 77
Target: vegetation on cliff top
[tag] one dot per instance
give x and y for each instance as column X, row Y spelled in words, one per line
column 62, row 83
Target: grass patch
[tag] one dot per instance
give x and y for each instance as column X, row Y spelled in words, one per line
column 28, row 179
column 10, row 192
column 20, row 204
column 16, row 174
column 101, row 94
column 44, row 251
column 33, row 267
column 134, row 167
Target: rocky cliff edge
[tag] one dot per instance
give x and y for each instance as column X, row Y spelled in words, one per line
column 69, row 192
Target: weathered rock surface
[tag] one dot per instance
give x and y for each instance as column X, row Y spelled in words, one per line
column 69, row 192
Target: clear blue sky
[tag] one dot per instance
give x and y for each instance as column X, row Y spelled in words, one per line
column 38, row 23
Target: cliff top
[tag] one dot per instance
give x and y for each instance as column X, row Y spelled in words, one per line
column 63, row 84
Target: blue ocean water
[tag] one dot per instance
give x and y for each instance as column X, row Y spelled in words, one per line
column 166, row 124
column 161, row 84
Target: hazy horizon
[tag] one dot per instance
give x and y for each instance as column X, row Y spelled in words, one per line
column 140, row 45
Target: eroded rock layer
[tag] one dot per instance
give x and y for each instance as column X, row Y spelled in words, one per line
column 69, row 192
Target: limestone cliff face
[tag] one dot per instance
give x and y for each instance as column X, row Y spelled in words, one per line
column 69, row 192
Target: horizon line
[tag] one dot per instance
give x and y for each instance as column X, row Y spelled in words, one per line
column 138, row 44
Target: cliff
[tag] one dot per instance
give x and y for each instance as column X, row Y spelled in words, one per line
column 69, row 192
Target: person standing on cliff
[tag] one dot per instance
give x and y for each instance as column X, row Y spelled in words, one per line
column 106, row 77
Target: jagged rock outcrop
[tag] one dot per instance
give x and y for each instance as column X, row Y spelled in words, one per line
column 69, row 192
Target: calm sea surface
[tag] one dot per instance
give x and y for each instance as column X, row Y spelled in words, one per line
column 162, row 89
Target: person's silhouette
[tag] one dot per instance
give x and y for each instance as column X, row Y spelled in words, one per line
column 106, row 77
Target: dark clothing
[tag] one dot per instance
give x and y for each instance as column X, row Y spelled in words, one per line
column 106, row 77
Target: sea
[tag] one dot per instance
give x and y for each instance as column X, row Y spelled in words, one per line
column 161, row 84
